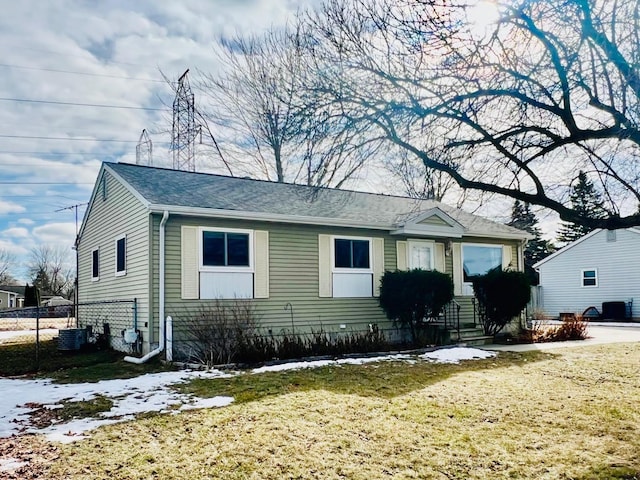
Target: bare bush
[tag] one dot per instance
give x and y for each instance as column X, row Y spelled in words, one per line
column 215, row 333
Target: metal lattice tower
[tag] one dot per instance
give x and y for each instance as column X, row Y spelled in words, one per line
column 144, row 150
column 184, row 127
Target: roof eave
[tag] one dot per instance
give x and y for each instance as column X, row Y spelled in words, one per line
column 322, row 221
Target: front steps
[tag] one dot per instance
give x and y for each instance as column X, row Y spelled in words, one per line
column 471, row 336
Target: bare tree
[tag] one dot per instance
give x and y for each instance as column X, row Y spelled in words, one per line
column 51, row 271
column 266, row 122
column 7, row 263
column 516, row 106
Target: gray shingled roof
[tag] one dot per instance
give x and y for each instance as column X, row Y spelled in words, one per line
column 201, row 190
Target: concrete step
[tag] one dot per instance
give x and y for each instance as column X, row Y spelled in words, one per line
column 476, row 341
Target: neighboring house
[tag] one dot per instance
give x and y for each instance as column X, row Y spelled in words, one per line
column 602, row 266
column 177, row 240
column 11, row 297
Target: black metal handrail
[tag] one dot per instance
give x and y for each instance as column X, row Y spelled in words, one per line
column 452, row 316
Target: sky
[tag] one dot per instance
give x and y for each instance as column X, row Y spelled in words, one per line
column 109, row 55
column 80, row 80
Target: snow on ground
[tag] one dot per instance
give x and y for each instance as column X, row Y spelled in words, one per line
column 455, row 355
column 9, row 334
column 146, row 393
column 152, row 393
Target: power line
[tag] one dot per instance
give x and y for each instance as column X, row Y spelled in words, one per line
column 22, row 67
column 85, row 139
column 101, row 154
column 77, row 104
column 46, row 183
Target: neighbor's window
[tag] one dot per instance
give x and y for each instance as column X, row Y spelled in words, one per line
column 590, row 278
column 479, row 259
column 95, row 264
column 225, row 249
column 121, row 256
column 351, row 253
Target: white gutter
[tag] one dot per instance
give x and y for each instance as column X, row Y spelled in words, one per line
column 161, row 327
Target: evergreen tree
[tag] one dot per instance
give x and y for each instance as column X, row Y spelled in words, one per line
column 587, row 201
column 537, row 248
column 31, row 296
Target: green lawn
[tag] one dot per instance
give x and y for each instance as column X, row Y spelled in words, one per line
column 573, row 414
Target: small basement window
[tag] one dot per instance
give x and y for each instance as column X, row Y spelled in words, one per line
column 590, row 278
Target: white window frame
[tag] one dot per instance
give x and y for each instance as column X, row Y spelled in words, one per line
column 335, row 269
column 432, row 247
column 582, row 277
column 221, row 269
column 467, row 287
column 121, row 273
column 95, row 279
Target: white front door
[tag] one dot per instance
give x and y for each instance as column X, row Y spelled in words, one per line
column 420, row 254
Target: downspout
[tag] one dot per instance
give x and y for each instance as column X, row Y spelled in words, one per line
column 161, row 326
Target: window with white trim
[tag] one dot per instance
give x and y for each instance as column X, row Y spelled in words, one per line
column 352, row 271
column 95, row 265
column 420, row 254
column 121, row 256
column 590, row 277
column 226, row 263
column 479, row 259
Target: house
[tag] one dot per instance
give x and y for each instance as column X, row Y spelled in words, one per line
column 603, row 266
column 11, row 296
column 177, row 240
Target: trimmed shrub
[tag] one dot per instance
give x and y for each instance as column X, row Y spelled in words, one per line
column 410, row 297
column 502, row 295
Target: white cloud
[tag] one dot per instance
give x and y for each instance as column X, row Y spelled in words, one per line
column 16, row 232
column 26, row 221
column 10, row 207
column 55, row 234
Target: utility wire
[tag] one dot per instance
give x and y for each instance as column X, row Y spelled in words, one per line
column 101, row 154
column 22, row 67
column 46, row 183
column 77, row 104
column 85, row 139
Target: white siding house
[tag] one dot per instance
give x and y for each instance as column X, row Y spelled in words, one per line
column 603, row 266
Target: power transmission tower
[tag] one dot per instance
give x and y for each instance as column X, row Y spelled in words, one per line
column 185, row 129
column 144, row 150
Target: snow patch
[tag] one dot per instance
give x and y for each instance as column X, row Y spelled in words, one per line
column 457, row 354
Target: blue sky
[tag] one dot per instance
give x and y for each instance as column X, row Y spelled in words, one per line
column 101, row 53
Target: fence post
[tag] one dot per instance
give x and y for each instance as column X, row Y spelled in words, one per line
column 135, row 314
column 37, row 338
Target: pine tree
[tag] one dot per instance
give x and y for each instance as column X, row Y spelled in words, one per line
column 587, row 201
column 537, row 248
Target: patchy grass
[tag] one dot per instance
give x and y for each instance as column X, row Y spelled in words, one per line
column 19, row 358
column 571, row 415
column 43, row 416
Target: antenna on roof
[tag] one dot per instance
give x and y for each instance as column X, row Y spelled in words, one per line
column 184, row 130
column 144, row 150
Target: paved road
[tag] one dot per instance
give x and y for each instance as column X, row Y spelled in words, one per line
column 598, row 334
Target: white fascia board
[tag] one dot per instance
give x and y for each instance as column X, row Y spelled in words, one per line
column 428, row 232
column 264, row 217
column 567, row 247
column 106, row 168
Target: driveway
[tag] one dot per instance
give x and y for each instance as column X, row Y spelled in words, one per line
column 599, row 333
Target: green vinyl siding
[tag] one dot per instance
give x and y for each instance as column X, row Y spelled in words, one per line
column 293, row 276
column 121, row 213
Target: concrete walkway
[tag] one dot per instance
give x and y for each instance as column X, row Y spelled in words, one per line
column 599, row 333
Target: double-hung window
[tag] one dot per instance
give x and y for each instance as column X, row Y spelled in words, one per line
column 590, row 277
column 226, row 263
column 352, row 271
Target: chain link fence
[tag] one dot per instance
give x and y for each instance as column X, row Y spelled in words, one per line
column 109, row 320
column 31, row 336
